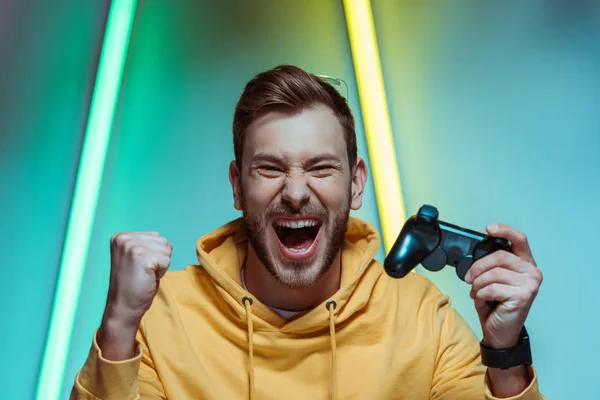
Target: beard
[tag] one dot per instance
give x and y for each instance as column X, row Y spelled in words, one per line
column 296, row 274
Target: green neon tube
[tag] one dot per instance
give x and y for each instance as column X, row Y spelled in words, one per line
column 85, row 197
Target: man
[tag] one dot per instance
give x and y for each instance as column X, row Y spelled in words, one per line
column 287, row 302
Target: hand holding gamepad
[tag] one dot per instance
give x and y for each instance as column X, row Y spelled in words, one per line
column 499, row 267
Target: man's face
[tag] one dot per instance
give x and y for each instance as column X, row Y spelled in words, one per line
column 296, row 189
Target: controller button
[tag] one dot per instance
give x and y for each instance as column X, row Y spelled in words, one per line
column 436, row 260
column 463, row 266
column 428, row 214
column 502, row 244
column 454, row 254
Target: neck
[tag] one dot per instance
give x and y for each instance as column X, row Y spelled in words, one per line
column 272, row 293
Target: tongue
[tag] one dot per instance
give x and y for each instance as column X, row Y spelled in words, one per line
column 298, row 239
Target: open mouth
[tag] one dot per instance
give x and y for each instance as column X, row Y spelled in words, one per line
column 297, row 238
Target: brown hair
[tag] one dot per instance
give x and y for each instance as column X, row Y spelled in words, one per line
column 291, row 89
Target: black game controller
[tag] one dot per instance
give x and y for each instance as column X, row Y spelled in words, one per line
column 434, row 244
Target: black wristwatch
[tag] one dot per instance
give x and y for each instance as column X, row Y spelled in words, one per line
column 507, row 358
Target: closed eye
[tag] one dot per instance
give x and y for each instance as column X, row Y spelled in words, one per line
column 269, row 171
column 323, row 170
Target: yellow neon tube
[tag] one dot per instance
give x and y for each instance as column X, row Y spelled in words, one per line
column 378, row 130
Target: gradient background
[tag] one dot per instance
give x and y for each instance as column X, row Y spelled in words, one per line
column 494, row 108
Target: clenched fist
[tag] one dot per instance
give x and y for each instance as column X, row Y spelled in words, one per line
column 138, row 261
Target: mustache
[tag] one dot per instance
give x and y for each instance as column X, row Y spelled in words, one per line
column 257, row 222
column 306, row 209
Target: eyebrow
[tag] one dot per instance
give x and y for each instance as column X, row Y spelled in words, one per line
column 258, row 157
column 322, row 158
column 311, row 160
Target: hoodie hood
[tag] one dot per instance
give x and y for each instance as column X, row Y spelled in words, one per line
column 223, row 252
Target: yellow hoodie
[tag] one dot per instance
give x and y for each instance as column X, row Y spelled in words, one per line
column 384, row 339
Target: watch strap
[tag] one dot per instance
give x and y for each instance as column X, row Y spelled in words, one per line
column 507, row 358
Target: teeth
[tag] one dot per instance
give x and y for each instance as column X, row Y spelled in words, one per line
column 297, row 224
column 294, row 250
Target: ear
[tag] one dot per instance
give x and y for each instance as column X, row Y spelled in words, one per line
column 235, row 180
column 359, row 179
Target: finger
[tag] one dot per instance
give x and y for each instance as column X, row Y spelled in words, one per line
column 500, row 258
column 128, row 241
column 159, row 263
column 152, row 239
column 498, row 275
column 163, row 248
column 494, row 292
column 518, row 239
column 122, row 238
column 144, row 236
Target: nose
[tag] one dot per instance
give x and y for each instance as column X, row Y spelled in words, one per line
column 295, row 192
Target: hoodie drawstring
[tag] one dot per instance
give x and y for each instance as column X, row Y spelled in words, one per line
column 331, row 306
column 248, row 304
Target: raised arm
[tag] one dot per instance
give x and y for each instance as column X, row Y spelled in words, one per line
column 118, row 365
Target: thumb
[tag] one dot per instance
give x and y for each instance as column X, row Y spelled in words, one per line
column 159, row 263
